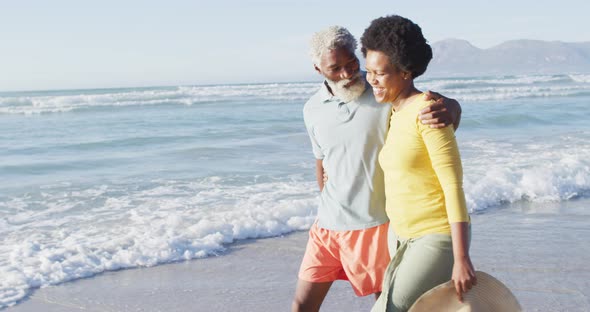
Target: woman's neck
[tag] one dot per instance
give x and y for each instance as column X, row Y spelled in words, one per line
column 405, row 97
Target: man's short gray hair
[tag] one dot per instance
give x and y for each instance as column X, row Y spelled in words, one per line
column 328, row 39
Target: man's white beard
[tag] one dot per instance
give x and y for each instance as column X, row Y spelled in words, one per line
column 350, row 93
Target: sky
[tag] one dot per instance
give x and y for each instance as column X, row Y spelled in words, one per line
column 57, row 44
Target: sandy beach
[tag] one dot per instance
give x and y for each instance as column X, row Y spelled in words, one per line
column 540, row 251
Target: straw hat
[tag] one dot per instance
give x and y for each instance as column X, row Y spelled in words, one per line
column 488, row 295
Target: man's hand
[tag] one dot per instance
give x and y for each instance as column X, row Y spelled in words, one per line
column 442, row 112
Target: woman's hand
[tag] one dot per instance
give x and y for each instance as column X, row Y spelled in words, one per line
column 463, row 276
column 463, row 271
column 325, row 177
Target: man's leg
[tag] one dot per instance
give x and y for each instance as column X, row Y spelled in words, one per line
column 309, row 296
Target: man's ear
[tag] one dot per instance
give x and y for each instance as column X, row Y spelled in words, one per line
column 317, row 68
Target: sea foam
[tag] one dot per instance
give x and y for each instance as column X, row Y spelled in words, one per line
column 173, row 221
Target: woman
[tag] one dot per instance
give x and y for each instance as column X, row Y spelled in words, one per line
column 429, row 223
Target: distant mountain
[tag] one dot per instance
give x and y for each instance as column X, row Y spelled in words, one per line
column 454, row 57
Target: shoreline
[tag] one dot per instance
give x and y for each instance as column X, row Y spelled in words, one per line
column 256, row 274
column 540, row 251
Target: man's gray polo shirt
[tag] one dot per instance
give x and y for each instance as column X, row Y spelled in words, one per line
column 348, row 137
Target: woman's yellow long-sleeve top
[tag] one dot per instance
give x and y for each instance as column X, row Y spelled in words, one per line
column 423, row 175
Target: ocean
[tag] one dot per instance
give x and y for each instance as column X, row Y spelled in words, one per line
column 106, row 179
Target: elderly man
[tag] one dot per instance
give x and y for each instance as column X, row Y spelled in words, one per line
column 347, row 129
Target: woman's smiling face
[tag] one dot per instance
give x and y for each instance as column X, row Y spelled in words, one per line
column 387, row 81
